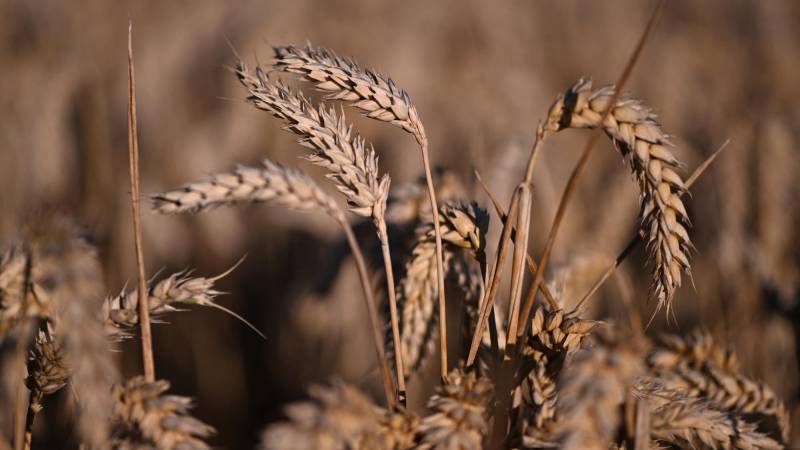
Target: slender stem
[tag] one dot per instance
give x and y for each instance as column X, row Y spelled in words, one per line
column 439, row 259
column 488, row 303
column 372, row 310
column 530, row 263
column 34, row 405
column 20, row 353
column 133, row 153
column 517, row 262
column 580, row 166
column 383, row 235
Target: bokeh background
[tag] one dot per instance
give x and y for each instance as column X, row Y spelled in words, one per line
column 481, row 74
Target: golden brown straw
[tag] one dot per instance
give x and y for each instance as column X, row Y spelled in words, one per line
column 133, row 154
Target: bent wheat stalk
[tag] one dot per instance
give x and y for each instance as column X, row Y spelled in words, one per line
column 379, row 98
column 284, row 187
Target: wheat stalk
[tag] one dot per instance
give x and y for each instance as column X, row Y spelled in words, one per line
column 281, row 187
column 143, row 417
column 639, row 137
column 379, row 98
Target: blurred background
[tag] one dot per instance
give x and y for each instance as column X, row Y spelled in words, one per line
column 481, row 75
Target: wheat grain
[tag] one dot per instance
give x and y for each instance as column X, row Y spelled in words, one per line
column 340, row 417
column 47, row 374
column 144, row 418
column 463, row 227
column 636, row 133
column 689, row 422
column 270, row 183
column 592, row 390
column 460, row 414
column 352, row 164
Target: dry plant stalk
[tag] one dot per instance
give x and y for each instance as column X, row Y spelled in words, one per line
column 133, row 157
column 143, row 417
column 352, row 166
column 379, row 98
column 280, row 187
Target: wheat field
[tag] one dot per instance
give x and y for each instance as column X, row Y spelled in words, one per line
column 413, row 225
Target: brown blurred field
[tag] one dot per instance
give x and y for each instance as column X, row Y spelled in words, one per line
column 482, row 74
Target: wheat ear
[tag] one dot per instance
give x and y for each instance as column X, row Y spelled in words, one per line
column 463, row 226
column 47, row 374
column 379, row 98
column 639, row 137
column 143, row 417
column 352, row 166
column 690, row 422
column 460, row 418
column 285, row 187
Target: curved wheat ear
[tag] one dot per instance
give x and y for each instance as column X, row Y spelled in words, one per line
column 143, row 417
column 377, row 96
column 460, row 416
column 285, row 187
column 340, row 416
column 639, row 137
column 121, row 312
column 698, row 368
column 352, row 164
column 690, row 422
column 271, row 183
column 462, row 227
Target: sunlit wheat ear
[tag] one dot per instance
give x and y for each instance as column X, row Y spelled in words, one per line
column 270, row 183
column 144, row 417
column 12, row 279
column 462, row 226
column 352, row 164
column 696, row 367
column 377, row 96
column 340, row 417
column 460, row 413
column 636, row 133
column 121, row 312
column 690, row 422
column 592, row 390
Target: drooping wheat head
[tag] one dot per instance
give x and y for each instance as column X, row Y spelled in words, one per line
column 636, row 133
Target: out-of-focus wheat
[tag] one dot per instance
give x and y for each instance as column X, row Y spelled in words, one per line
column 144, row 417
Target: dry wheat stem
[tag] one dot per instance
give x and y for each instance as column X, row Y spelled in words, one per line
column 487, row 303
column 285, row 187
column 19, row 407
column 352, row 164
column 379, row 98
column 133, row 155
column 531, row 264
column 603, row 113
